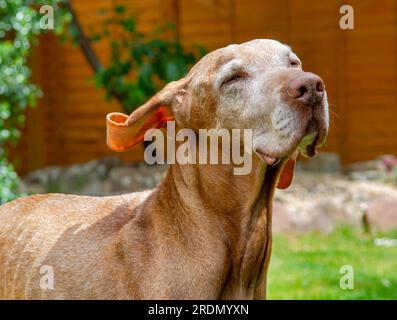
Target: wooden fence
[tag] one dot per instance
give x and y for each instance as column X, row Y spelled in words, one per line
column 358, row 66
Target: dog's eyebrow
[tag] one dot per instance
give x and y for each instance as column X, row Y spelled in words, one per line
column 223, row 60
column 293, row 56
column 232, row 65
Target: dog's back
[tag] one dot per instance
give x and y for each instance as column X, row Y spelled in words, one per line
column 43, row 238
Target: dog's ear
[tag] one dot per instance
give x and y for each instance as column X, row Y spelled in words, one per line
column 124, row 132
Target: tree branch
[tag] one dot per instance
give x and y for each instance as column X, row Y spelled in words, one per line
column 86, row 48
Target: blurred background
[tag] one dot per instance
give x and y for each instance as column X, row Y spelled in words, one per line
column 60, row 77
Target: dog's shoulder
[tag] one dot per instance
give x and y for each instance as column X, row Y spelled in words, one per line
column 66, row 232
column 65, row 207
column 53, row 213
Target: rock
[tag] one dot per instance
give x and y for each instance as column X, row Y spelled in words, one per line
column 366, row 170
column 383, row 169
column 368, row 175
column 95, row 187
column 282, row 220
column 370, row 165
column 136, row 177
column 123, row 179
column 382, row 214
column 44, row 180
column 87, row 178
column 326, row 215
column 326, row 162
column 316, row 201
column 319, row 221
column 31, row 188
column 97, row 177
column 110, row 162
column 322, row 216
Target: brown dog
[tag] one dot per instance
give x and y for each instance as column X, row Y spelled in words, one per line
column 203, row 233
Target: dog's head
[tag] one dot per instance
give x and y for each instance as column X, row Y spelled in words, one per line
column 258, row 85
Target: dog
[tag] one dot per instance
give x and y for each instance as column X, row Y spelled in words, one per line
column 204, row 232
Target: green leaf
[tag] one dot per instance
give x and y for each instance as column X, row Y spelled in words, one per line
column 120, row 9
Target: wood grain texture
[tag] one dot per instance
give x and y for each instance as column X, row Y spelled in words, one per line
column 358, row 66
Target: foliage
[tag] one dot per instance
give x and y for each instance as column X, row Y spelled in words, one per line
column 140, row 63
column 19, row 28
column 8, row 182
column 307, row 266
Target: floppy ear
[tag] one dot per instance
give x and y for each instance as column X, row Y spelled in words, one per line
column 124, row 132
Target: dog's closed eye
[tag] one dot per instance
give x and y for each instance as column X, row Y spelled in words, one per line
column 233, row 78
column 294, row 61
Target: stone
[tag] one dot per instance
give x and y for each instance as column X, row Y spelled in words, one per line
column 369, row 165
column 282, row 219
column 319, row 222
column 316, row 201
column 94, row 187
column 123, row 179
column 382, row 214
column 382, row 169
column 326, row 215
column 325, row 162
column 31, row 188
column 367, row 175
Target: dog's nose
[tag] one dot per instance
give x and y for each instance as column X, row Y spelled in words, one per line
column 307, row 88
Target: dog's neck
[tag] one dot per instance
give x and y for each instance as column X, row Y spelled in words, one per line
column 236, row 210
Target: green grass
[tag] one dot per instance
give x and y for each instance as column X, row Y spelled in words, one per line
column 307, row 266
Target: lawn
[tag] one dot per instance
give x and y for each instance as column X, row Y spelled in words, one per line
column 307, row 266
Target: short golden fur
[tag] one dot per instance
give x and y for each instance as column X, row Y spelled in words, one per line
column 203, row 233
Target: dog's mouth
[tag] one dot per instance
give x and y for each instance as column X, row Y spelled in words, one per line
column 286, row 164
column 269, row 160
column 308, row 144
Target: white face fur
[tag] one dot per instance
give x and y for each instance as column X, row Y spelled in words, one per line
column 249, row 84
